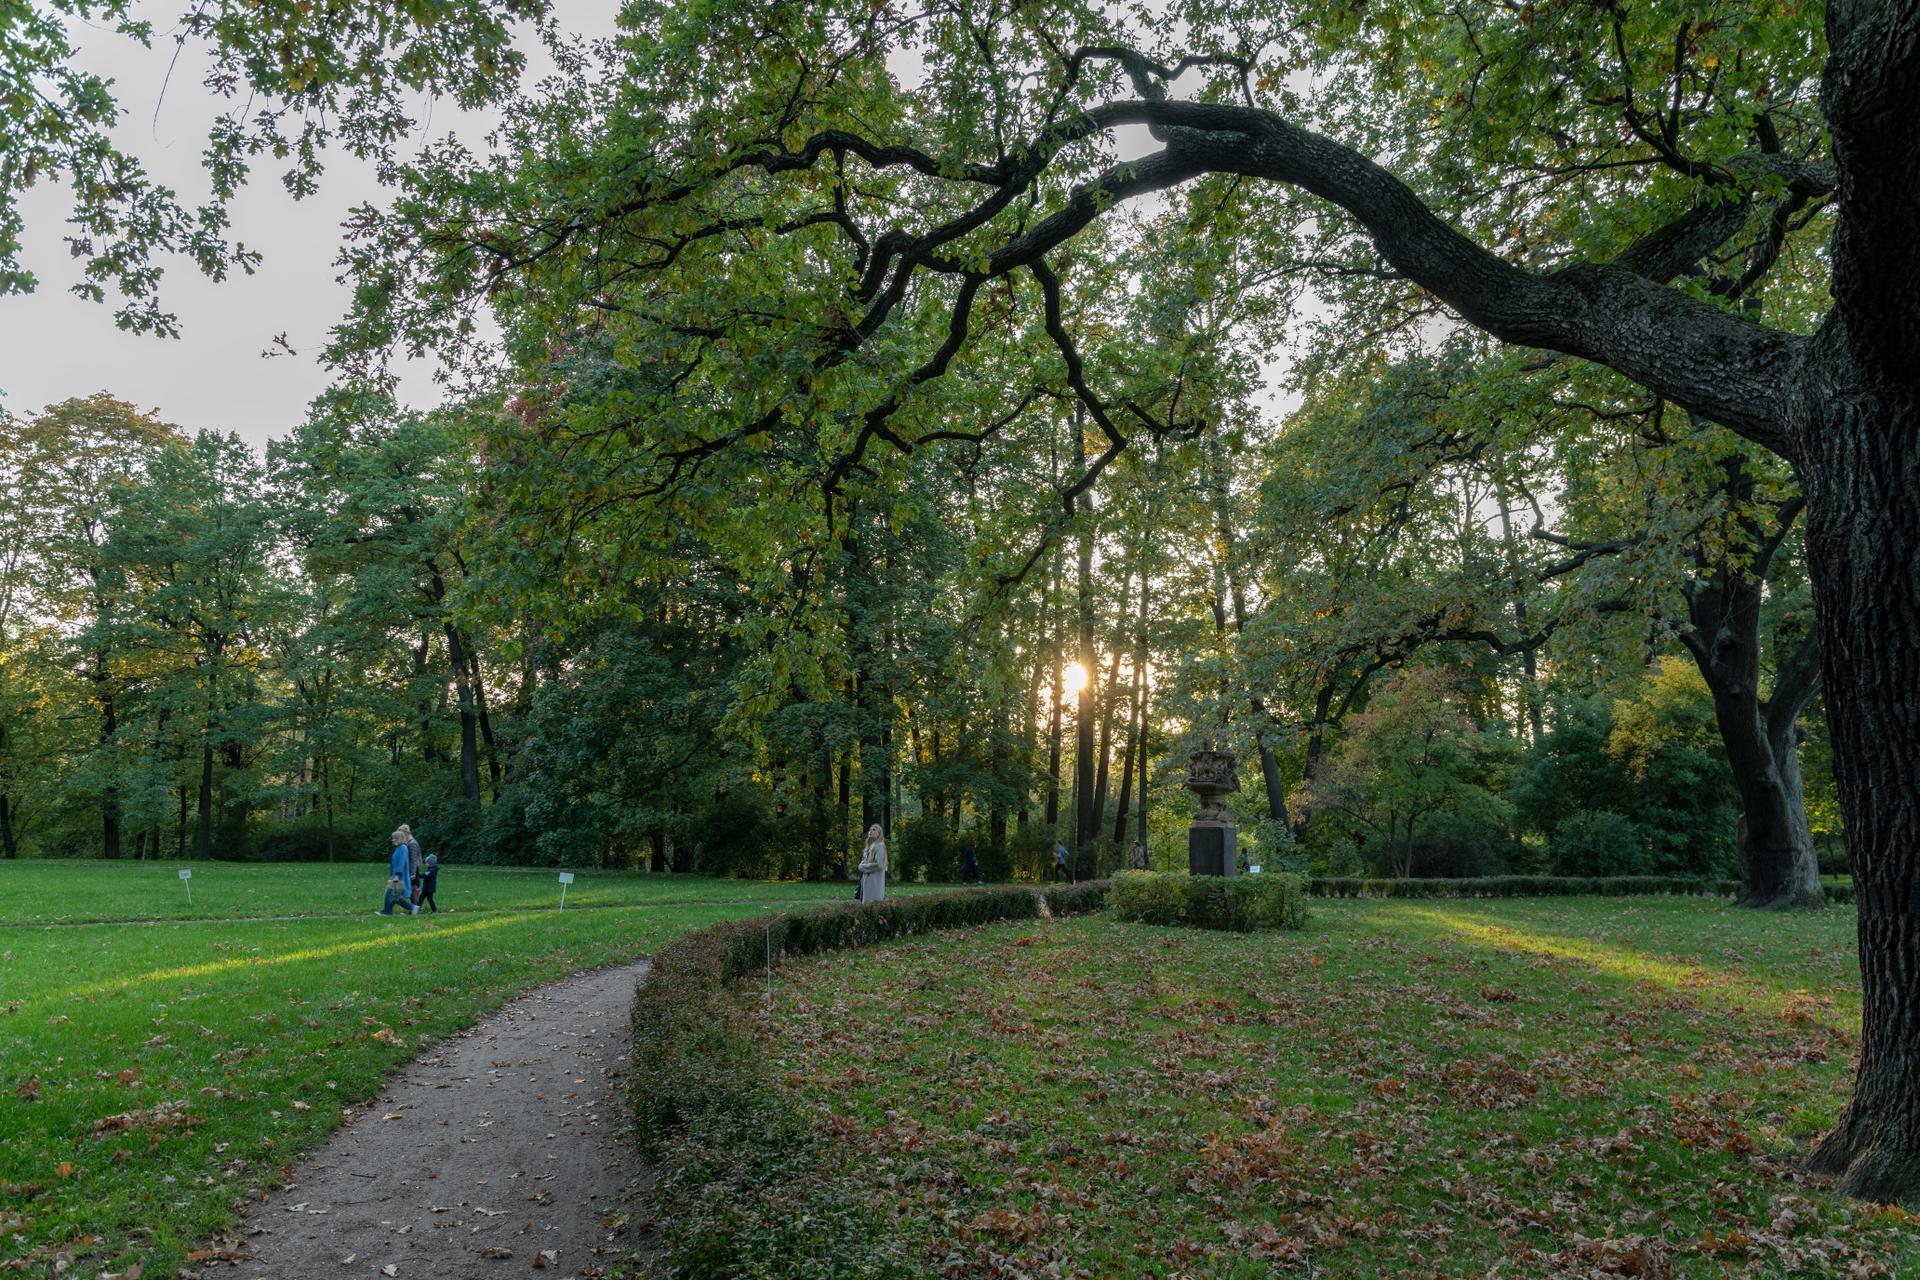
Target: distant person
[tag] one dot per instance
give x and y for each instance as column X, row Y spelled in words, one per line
column 1061, row 869
column 970, row 865
column 1140, row 862
column 413, row 862
column 398, row 894
column 429, row 878
column 873, row 867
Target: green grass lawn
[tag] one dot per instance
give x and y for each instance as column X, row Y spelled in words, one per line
column 1521, row 1088
column 151, row 1075
column 53, row 892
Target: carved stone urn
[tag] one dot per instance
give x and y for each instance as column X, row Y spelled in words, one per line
column 1212, row 840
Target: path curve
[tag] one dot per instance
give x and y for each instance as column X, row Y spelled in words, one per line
column 502, row 1137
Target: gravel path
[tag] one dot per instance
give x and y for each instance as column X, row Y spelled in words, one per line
column 496, row 1153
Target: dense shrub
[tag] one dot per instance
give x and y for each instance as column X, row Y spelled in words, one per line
column 1235, row 903
column 304, row 839
column 924, row 849
column 1597, row 842
column 745, row 1188
column 1083, row 899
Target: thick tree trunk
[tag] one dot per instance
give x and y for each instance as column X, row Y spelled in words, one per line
column 463, row 690
column 1862, row 476
column 486, row 724
column 1778, row 866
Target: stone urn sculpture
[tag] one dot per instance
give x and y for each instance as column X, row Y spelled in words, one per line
column 1212, row 841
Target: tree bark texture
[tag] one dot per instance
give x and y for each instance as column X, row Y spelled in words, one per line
column 1862, row 474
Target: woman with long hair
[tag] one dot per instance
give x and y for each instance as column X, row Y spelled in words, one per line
column 873, row 866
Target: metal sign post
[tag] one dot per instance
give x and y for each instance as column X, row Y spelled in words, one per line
column 186, row 882
column 566, row 878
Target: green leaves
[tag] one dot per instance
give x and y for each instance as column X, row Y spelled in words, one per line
column 345, row 74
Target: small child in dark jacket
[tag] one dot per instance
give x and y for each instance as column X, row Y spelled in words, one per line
column 429, row 877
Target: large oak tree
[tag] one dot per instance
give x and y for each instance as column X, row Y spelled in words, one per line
column 816, row 237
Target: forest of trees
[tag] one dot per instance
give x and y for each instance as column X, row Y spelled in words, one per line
column 208, row 653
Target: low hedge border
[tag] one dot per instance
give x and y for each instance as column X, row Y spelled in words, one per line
column 745, row 1187
column 1237, row 904
column 1538, row 887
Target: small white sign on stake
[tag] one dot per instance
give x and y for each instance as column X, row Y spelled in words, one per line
column 1254, row 869
column 566, row 878
column 186, row 882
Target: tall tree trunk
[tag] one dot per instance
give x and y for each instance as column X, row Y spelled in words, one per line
column 1778, row 864
column 486, row 724
column 1862, row 476
column 1086, row 823
column 203, row 814
column 423, row 706
column 1058, row 686
column 1529, row 663
column 1142, row 659
column 463, row 689
column 1110, row 693
column 1120, row 814
column 1030, row 731
column 1227, row 573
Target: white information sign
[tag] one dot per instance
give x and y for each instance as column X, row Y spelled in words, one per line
column 566, row 878
column 186, row 882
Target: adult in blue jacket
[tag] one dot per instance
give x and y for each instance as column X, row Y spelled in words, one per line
column 399, row 887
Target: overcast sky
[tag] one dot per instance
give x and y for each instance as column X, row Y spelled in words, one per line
column 56, row 346
column 216, row 375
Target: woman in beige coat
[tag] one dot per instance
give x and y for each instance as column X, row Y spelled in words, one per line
column 873, row 867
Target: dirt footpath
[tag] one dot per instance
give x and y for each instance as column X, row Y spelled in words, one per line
column 496, row 1153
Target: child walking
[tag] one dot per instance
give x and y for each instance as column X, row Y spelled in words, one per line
column 429, row 877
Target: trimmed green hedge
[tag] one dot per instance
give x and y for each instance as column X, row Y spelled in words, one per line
column 1537, row 887
column 1236, row 903
column 745, row 1188
column 1083, row 899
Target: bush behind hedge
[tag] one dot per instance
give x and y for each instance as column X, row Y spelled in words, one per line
column 745, row 1187
column 1238, row 904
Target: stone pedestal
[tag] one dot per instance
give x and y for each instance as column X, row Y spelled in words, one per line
column 1212, row 839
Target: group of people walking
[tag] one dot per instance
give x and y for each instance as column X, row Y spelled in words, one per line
column 411, row 879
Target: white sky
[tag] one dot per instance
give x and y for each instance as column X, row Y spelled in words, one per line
column 53, row 345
